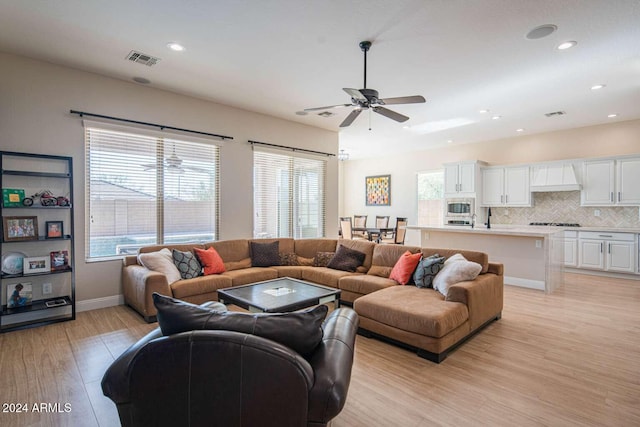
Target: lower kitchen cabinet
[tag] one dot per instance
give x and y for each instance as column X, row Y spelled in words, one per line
column 571, row 248
column 615, row 252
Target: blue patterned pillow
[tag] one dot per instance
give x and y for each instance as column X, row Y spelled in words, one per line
column 187, row 264
column 427, row 269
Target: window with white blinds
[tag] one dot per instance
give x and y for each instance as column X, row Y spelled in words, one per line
column 143, row 189
column 288, row 195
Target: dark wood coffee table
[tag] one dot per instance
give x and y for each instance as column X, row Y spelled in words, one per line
column 279, row 295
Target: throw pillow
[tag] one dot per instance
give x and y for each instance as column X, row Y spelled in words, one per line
column 346, row 259
column 300, row 330
column 210, row 260
column 187, row 264
column 456, row 269
column 322, row 259
column 265, row 254
column 427, row 269
column 404, row 267
column 289, row 259
column 162, row 262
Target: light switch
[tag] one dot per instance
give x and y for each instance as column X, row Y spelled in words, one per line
column 46, row 288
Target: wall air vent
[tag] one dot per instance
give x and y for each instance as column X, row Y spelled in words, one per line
column 555, row 113
column 142, row 58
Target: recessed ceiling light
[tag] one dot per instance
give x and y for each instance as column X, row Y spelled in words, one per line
column 566, row 45
column 406, row 127
column 141, row 80
column 496, row 117
column 483, row 111
column 541, row 31
column 449, row 141
column 611, row 116
column 596, row 87
column 175, row 46
column 520, row 130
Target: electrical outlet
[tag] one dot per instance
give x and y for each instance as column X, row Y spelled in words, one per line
column 46, row 288
column 538, row 244
column 596, row 212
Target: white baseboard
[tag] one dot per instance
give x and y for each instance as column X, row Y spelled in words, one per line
column 524, row 283
column 104, row 302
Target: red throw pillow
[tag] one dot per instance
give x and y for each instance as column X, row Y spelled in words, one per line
column 210, row 260
column 404, row 268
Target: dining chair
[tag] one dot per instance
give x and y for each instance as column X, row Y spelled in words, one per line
column 382, row 221
column 398, row 234
column 345, row 227
column 360, row 221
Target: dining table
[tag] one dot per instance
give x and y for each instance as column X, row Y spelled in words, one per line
column 374, row 231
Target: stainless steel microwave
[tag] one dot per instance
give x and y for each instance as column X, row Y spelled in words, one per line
column 460, row 208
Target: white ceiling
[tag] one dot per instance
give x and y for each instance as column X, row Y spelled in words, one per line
column 281, row 56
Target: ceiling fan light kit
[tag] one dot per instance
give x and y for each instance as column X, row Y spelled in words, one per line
column 366, row 98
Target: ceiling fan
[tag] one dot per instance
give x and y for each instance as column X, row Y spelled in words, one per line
column 363, row 99
column 173, row 163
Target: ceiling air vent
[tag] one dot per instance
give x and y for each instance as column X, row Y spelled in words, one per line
column 326, row 114
column 142, row 58
column 555, row 113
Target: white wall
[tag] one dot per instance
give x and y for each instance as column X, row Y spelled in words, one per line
column 620, row 138
column 35, row 99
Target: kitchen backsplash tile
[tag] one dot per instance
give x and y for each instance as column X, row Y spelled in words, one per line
column 564, row 206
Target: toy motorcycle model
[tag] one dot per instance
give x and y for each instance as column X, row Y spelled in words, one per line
column 47, row 199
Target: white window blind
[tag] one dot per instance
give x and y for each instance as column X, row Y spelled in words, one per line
column 147, row 189
column 430, row 197
column 288, row 195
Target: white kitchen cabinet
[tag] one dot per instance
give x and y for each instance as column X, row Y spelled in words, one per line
column 460, row 179
column 611, row 182
column 571, row 248
column 506, row 186
column 614, row 252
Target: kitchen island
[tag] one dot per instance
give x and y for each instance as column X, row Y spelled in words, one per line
column 533, row 256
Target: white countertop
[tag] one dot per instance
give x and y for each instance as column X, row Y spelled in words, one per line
column 517, row 230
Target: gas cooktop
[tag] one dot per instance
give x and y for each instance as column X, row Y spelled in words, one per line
column 556, row 224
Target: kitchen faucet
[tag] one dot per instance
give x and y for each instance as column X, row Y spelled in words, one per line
column 473, row 220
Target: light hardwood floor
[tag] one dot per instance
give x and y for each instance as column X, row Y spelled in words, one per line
column 566, row 359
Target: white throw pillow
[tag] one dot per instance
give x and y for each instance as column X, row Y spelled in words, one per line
column 162, row 262
column 456, row 269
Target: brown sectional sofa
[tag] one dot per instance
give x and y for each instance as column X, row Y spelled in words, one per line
column 421, row 319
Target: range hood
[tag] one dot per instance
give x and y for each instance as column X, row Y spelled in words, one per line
column 554, row 177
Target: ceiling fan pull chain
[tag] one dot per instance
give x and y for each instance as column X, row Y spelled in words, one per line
column 369, row 119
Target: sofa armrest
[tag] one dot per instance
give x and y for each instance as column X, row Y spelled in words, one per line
column 138, row 285
column 482, row 296
column 496, row 268
column 332, row 362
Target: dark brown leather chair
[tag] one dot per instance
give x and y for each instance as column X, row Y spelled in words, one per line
column 224, row 378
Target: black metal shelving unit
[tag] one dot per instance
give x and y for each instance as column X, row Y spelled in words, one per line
column 33, row 173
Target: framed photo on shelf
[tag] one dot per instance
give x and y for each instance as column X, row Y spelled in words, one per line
column 378, row 190
column 16, row 228
column 38, row 264
column 12, row 197
column 19, row 295
column 54, row 230
column 59, row 260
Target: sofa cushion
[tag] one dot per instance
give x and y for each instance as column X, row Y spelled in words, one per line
column 210, row 260
column 162, row 262
column 421, row 311
column 322, row 259
column 250, row 274
column 456, row 269
column 384, row 258
column 346, row 259
column 300, row 330
column 307, row 248
column 427, row 269
column 289, row 258
column 481, row 258
column 324, row 276
column 187, row 264
column 265, row 254
column 364, row 246
column 364, row 284
column 202, row 285
column 404, row 268
column 232, row 250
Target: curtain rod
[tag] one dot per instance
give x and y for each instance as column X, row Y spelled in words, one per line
column 290, row 148
column 162, row 127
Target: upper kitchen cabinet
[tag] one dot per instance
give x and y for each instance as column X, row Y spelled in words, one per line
column 611, row 182
column 461, row 179
column 506, row 186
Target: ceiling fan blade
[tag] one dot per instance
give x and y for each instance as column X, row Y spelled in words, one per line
column 416, row 99
column 391, row 114
column 327, row 107
column 351, row 117
column 355, row 94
